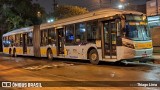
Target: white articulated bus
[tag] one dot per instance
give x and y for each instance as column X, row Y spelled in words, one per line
column 102, row 35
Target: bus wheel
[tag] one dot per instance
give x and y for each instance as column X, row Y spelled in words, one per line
column 49, row 54
column 14, row 53
column 10, row 53
column 93, row 57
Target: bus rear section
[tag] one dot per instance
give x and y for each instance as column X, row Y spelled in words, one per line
column 18, row 42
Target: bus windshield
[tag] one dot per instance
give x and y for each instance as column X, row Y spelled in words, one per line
column 137, row 32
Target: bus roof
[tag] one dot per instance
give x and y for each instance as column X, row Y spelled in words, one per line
column 89, row 16
column 79, row 18
column 18, row 31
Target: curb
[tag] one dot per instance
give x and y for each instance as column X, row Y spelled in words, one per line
column 156, row 59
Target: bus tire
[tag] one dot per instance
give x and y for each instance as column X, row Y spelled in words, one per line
column 10, row 52
column 93, row 57
column 49, row 54
column 14, row 53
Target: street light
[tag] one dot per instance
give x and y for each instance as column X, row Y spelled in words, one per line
column 122, row 1
column 38, row 14
column 50, row 20
column 121, row 6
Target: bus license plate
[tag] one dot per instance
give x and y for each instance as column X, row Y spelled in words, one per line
column 144, row 55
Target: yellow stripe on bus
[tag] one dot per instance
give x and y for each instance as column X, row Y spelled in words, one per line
column 43, row 51
column 28, row 50
column 143, row 45
column 54, row 51
column 65, row 52
column 19, row 50
column 5, row 49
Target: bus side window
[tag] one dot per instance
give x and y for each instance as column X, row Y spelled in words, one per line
column 21, row 39
column 17, row 39
column 91, row 28
column 69, row 34
column 51, row 36
column 80, row 33
column 11, row 40
column 6, row 43
column 30, row 39
column 44, row 37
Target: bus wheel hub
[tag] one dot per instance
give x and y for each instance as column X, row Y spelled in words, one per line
column 94, row 57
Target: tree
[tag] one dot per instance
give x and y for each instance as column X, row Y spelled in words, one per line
column 5, row 12
column 28, row 11
column 38, row 14
column 65, row 11
column 14, row 21
column 18, row 13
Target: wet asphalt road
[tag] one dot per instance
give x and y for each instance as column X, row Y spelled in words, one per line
column 41, row 69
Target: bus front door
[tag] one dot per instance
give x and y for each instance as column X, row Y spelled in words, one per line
column 109, row 48
column 24, row 43
column 60, row 43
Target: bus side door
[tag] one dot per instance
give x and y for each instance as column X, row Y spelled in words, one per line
column 60, row 39
column 24, row 43
column 109, row 31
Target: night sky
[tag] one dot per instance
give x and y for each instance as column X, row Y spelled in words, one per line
column 90, row 4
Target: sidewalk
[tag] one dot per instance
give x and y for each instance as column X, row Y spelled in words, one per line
column 156, row 57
